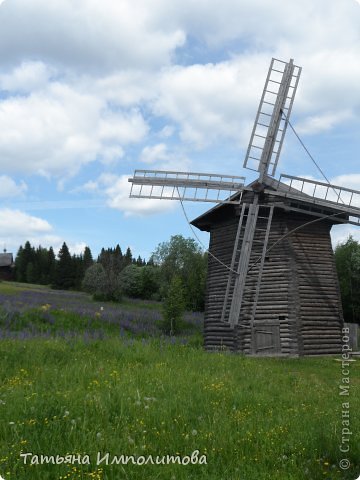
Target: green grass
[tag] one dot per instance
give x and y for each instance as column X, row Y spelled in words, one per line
column 255, row 419
column 12, row 288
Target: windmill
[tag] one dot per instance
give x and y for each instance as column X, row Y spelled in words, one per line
column 267, row 291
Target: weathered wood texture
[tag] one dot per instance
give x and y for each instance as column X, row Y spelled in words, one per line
column 299, row 289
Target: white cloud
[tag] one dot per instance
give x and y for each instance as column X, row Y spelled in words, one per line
column 350, row 180
column 86, row 97
column 16, row 227
column 211, row 101
column 20, row 223
column 167, row 131
column 322, row 122
column 154, row 153
column 86, row 34
column 9, row 188
column 159, row 157
column 116, row 189
column 58, row 130
column 76, row 248
column 27, row 77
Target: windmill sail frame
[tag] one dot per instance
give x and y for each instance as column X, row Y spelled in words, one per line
column 186, row 186
column 270, row 125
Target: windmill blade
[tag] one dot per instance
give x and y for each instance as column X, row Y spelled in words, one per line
column 190, row 186
column 270, row 124
column 320, row 193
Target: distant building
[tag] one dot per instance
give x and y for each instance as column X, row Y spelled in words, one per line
column 6, row 266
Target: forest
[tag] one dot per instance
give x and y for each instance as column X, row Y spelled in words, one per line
column 114, row 274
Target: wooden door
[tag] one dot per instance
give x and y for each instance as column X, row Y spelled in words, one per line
column 267, row 339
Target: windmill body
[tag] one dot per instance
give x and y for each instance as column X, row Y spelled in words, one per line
column 295, row 307
column 272, row 287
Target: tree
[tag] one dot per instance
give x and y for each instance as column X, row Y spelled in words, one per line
column 183, row 257
column 30, row 273
column 347, row 257
column 173, row 307
column 95, row 281
column 65, row 271
column 20, row 266
column 127, row 260
column 87, row 258
column 130, row 281
column 150, row 282
column 51, row 265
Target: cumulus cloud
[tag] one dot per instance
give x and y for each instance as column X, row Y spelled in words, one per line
column 116, row 190
column 154, row 153
column 58, row 130
column 9, row 188
column 86, row 35
column 20, row 223
column 211, row 101
column 326, row 121
column 16, row 227
column 70, row 102
column 160, row 157
column 26, row 77
column 350, row 180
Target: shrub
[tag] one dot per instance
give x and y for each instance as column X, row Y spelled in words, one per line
column 101, row 284
column 173, row 307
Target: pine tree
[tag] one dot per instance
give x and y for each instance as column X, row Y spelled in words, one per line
column 128, row 257
column 51, row 266
column 118, row 259
column 65, row 271
column 20, row 267
column 87, row 258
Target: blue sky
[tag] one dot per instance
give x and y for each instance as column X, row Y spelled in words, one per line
column 91, row 90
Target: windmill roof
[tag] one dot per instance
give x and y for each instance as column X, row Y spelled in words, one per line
column 269, row 186
column 6, row 259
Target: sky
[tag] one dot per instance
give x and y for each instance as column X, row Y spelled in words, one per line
column 90, row 91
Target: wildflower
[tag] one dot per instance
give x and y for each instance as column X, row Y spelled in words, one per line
column 194, row 432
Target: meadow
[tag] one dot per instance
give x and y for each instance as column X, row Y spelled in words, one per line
column 82, row 379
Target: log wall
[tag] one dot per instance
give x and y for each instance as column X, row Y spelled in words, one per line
column 319, row 300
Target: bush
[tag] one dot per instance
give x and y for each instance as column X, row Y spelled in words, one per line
column 130, row 281
column 140, row 282
column 102, row 285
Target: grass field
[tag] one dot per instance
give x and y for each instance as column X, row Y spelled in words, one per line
column 65, row 390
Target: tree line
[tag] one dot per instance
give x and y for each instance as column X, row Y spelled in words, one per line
column 64, row 271
column 114, row 274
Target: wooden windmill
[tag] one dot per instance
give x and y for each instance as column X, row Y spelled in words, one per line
column 272, row 286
